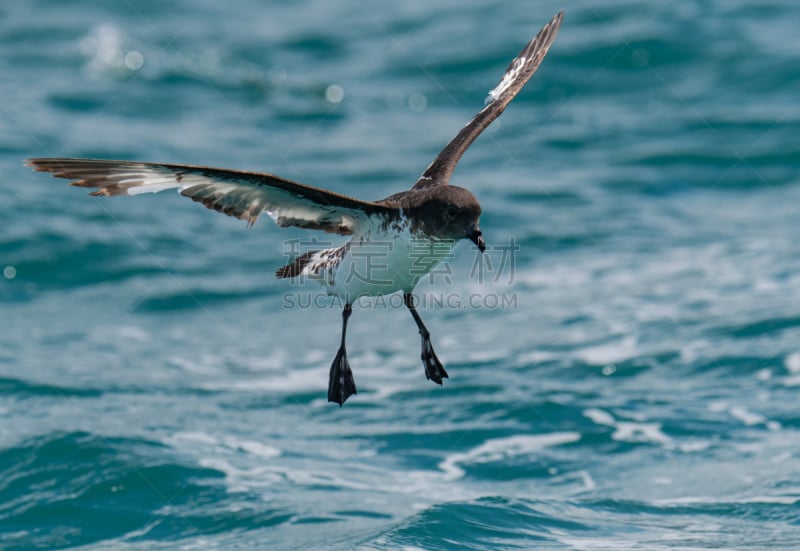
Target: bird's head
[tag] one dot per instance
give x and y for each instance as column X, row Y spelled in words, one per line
column 451, row 212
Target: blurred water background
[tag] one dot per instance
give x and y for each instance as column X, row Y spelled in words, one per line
column 637, row 389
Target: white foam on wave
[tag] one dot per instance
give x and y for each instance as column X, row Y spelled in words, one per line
column 711, row 500
column 630, row 431
column 599, row 416
column 127, row 332
column 610, row 353
column 792, row 363
column 497, row 449
column 790, row 382
column 604, row 544
column 225, row 443
column 744, row 415
column 294, row 380
column 641, row 432
column 231, row 456
column 747, row 417
column 588, row 482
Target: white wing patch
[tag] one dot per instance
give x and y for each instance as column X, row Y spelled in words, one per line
column 507, row 80
column 154, row 185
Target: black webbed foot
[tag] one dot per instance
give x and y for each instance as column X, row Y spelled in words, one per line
column 433, row 367
column 341, row 384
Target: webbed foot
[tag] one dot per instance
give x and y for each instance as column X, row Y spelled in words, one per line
column 433, row 367
column 341, row 384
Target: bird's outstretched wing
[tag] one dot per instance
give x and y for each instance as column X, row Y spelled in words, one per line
column 244, row 195
column 515, row 77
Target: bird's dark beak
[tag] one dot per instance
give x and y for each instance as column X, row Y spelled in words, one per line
column 475, row 235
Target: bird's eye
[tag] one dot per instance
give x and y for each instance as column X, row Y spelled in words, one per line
column 452, row 212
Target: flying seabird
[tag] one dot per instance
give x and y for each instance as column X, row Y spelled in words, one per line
column 432, row 212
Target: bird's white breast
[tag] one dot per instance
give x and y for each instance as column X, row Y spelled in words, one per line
column 378, row 261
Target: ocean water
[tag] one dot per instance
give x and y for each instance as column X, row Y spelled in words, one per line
column 624, row 369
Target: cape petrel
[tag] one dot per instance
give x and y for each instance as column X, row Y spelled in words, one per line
column 432, row 212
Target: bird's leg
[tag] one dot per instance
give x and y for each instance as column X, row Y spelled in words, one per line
column 433, row 367
column 341, row 384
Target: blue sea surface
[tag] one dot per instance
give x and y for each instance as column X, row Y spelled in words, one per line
column 624, row 362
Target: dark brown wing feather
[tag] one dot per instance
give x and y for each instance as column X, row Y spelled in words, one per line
column 244, row 195
column 518, row 73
